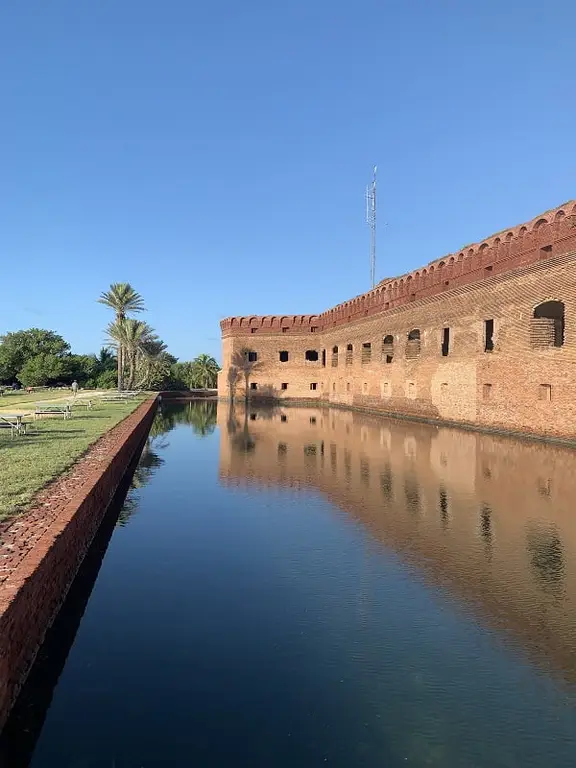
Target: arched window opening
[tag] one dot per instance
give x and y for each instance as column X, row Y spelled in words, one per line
column 349, row 354
column 334, row 357
column 413, row 344
column 387, row 349
column 547, row 325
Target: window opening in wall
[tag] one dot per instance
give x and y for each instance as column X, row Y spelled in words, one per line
column 488, row 335
column 547, row 325
column 253, row 330
column 311, row 355
column 445, row 342
column 284, row 330
column 253, row 385
column 366, row 352
column 388, row 349
column 313, row 329
column 252, row 357
column 444, row 388
column 333, row 386
column 347, row 386
column 349, row 354
column 385, row 388
column 487, row 391
column 488, row 269
column 545, row 392
column 283, row 356
column 252, row 417
column 545, row 251
column 312, row 419
column 413, row 344
column 284, row 385
column 365, row 388
column 283, row 417
column 334, row 357
column 314, row 385
column 324, row 358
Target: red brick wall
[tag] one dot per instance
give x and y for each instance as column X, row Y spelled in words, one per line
column 503, row 282
column 31, row 597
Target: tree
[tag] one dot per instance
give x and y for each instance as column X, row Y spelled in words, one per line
column 122, row 298
column 204, row 372
column 19, row 347
column 43, row 370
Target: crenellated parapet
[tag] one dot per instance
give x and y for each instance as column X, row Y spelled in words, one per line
column 550, row 234
column 292, row 324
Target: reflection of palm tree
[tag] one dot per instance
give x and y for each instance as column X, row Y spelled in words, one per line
column 241, row 441
column 202, row 417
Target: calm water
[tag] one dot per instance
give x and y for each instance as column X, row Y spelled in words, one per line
column 307, row 587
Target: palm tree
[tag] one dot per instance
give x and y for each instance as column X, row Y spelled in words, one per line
column 122, row 298
column 130, row 337
column 204, row 372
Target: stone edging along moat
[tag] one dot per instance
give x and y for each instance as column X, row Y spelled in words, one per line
column 42, row 550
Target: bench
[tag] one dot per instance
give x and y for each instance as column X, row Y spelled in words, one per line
column 48, row 409
column 81, row 404
column 13, row 422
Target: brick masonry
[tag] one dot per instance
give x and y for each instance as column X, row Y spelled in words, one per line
column 37, row 583
column 416, row 345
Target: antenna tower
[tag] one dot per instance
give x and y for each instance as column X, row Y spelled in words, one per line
column 371, row 221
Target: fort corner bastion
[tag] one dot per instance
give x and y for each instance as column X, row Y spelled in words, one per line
column 484, row 337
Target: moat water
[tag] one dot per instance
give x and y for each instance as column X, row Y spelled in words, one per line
column 310, row 587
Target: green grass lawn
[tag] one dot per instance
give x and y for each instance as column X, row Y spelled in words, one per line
column 21, row 399
column 28, row 462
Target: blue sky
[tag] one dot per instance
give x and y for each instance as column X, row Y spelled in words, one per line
column 215, row 154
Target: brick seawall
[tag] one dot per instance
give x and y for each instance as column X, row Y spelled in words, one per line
column 32, row 594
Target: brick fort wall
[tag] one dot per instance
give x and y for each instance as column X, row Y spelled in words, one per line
column 484, row 337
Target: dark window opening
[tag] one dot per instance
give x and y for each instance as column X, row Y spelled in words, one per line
column 545, row 251
column 252, row 417
column 252, row 357
column 312, row 419
column 388, row 348
column 313, row 385
column 283, row 356
column 488, row 269
column 283, row 417
column 488, row 335
column 253, row 385
column 547, row 325
column 253, row 330
column 334, row 357
column 284, row 330
column 413, row 344
column 284, row 385
column 311, row 355
column 349, row 354
column 313, row 329
column 366, row 353
column 445, row 342
column 324, row 358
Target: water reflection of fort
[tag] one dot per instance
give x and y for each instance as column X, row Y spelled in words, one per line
column 489, row 518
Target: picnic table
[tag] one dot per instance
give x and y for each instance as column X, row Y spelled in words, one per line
column 49, row 409
column 118, row 397
column 14, row 422
column 81, row 404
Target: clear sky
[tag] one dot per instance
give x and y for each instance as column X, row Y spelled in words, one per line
column 215, row 154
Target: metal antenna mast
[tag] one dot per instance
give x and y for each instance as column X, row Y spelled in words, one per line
column 371, row 221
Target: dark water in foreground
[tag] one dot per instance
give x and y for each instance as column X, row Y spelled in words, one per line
column 308, row 587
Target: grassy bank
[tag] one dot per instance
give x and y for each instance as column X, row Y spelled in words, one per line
column 27, row 463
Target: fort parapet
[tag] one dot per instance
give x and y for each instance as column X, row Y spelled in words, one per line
column 484, row 336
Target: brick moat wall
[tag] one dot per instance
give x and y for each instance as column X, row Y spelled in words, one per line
column 489, row 341
column 31, row 596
